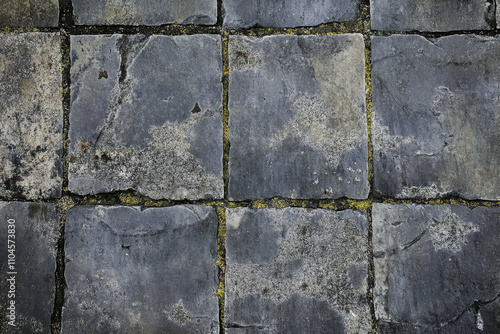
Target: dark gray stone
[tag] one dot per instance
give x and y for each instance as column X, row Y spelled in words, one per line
column 146, row 114
column 296, row 13
column 144, row 12
column 33, row 250
column 436, row 268
column 432, row 15
column 141, row 271
column 296, row 271
column 436, row 116
column 29, row 13
column 31, row 116
column 297, row 122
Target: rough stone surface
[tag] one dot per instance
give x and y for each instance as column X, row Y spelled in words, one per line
column 436, row 116
column 296, row 271
column 432, row 15
column 141, row 271
column 34, row 246
column 144, row 12
column 498, row 13
column 295, row 13
column 29, row 13
column 436, row 268
column 146, row 114
column 297, row 122
column 30, row 116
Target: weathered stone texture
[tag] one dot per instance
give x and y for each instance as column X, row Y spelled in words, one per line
column 436, row 116
column 146, row 114
column 436, row 268
column 144, row 12
column 295, row 13
column 296, row 271
column 141, row 271
column 29, row 13
column 432, row 15
column 35, row 243
column 30, row 116
column 297, row 122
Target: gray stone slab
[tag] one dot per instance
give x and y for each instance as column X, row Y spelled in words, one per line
column 297, row 123
column 144, row 12
column 295, row 13
column 141, row 271
column 498, row 13
column 27, row 266
column 432, row 15
column 29, row 13
column 436, row 116
column 296, row 271
column 31, row 116
column 146, row 114
column 436, row 268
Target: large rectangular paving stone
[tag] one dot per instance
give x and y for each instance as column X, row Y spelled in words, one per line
column 295, row 13
column 432, row 15
column 296, row 271
column 29, row 13
column 297, row 122
column 141, row 271
column 144, row 12
column 146, row 114
column 436, row 116
column 436, row 268
column 28, row 251
column 31, row 116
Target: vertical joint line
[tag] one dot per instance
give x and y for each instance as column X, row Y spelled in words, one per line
column 66, row 97
column 221, row 261
column 225, row 112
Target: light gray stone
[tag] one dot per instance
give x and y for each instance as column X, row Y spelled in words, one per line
column 297, row 123
column 144, row 12
column 130, row 270
column 33, row 251
column 31, row 116
column 146, row 114
column 296, row 271
column 498, row 13
column 436, row 116
column 295, row 13
column 29, row 13
column 432, row 15
column 436, row 268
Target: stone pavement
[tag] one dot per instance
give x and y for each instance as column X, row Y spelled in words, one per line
column 250, row 167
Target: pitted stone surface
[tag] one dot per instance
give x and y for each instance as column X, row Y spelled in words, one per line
column 436, row 268
column 297, row 123
column 432, row 15
column 296, row 271
column 29, row 13
column 295, row 13
column 31, row 116
column 34, row 248
column 436, row 116
column 144, row 12
column 146, row 115
column 141, row 271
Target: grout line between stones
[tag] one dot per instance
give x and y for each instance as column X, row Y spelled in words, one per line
column 221, row 262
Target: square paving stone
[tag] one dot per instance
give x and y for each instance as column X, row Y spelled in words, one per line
column 295, row 13
column 297, row 122
column 436, row 116
column 28, row 262
column 432, row 15
column 436, row 268
column 146, row 114
column 144, row 12
column 296, row 271
column 29, row 13
column 31, row 116
column 130, row 270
